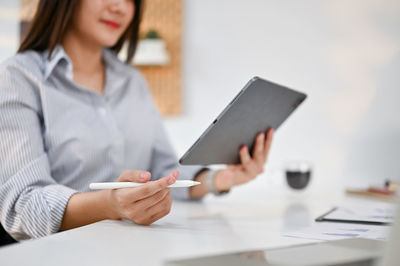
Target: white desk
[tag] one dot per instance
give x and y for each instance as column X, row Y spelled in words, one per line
column 253, row 216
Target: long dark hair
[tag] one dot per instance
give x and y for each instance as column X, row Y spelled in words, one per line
column 53, row 17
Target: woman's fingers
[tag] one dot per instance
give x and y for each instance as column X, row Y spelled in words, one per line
column 248, row 163
column 161, row 209
column 141, row 203
column 268, row 141
column 254, row 166
column 153, row 187
column 146, row 203
column 245, row 158
column 138, row 176
column 152, row 200
column 258, row 150
column 147, row 211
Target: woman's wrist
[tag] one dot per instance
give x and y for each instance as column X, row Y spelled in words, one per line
column 218, row 181
column 86, row 208
column 110, row 211
column 222, row 181
column 199, row 191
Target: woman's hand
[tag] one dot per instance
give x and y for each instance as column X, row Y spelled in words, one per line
column 142, row 205
column 249, row 168
column 145, row 204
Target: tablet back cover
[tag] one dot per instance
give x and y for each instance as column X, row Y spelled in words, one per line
column 260, row 105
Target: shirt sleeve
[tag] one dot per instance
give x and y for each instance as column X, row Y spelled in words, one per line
column 32, row 204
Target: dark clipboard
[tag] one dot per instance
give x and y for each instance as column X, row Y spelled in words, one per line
column 323, row 219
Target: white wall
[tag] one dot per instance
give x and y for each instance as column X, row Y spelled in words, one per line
column 344, row 54
column 9, row 28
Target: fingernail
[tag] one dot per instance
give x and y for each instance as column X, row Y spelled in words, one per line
column 262, row 136
column 175, row 174
column 171, row 180
column 142, row 176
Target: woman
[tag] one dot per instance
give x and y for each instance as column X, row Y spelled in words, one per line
column 71, row 113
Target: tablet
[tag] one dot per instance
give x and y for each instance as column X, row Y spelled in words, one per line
column 260, row 105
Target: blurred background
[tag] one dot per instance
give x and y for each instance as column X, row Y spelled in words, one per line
column 344, row 54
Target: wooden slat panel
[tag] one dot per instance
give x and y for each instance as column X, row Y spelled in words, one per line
column 165, row 16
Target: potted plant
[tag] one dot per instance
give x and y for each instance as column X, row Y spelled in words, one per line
column 151, row 50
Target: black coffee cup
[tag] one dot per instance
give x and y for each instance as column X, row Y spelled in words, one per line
column 298, row 174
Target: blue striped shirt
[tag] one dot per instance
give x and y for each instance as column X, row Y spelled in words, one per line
column 56, row 137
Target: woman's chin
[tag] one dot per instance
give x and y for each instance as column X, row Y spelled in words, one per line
column 108, row 41
column 109, row 44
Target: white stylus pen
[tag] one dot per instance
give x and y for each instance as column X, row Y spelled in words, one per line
column 114, row 185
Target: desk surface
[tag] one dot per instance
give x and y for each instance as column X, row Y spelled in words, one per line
column 253, row 216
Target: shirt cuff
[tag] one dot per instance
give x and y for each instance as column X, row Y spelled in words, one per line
column 43, row 213
column 57, row 197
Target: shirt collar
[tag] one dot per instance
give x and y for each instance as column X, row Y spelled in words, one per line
column 60, row 55
column 57, row 55
column 109, row 58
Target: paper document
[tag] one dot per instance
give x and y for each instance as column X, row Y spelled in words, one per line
column 371, row 213
column 334, row 231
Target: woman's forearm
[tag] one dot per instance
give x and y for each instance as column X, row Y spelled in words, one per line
column 87, row 208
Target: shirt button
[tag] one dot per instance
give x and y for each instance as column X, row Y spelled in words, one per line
column 102, row 111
